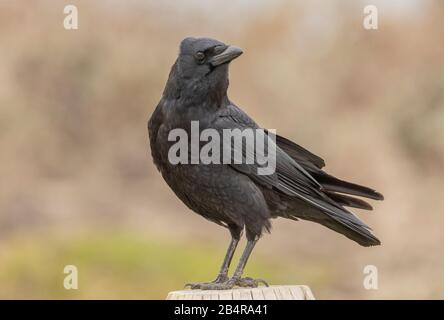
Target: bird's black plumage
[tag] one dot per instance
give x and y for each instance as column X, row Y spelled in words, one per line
column 234, row 195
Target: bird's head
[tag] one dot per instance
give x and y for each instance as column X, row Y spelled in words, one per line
column 205, row 57
column 202, row 65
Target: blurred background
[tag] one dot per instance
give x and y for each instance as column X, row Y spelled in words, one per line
column 77, row 181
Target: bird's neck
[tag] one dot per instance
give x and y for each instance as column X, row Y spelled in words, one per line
column 200, row 91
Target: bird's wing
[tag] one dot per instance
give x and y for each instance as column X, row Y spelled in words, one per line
column 289, row 177
column 295, row 151
column 299, row 153
column 314, row 164
column 234, row 118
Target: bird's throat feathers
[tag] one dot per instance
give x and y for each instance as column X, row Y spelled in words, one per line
column 210, row 89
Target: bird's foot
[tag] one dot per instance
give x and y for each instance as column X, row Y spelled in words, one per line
column 226, row 284
column 221, row 279
column 248, row 282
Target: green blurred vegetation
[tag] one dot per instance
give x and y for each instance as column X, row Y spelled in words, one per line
column 122, row 266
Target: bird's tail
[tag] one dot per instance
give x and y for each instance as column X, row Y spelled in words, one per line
column 359, row 234
column 335, row 218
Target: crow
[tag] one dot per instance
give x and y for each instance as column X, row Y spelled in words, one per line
column 236, row 196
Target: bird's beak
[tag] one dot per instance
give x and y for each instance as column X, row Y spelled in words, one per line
column 230, row 53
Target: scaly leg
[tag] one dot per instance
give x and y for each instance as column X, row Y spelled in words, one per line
column 237, row 279
column 222, row 277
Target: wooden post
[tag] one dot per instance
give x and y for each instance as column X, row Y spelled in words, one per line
column 260, row 293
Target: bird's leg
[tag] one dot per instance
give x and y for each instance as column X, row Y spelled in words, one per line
column 237, row 279
column 223, row 273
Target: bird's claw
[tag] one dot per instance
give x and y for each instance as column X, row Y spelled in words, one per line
column 250, row 282
column 227, row 284
column 221, row 278
column 208, row 286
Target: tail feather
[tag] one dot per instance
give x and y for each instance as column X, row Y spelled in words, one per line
column 353, row 232
column 348, row 201
column 330, row 183
column 326, row 206
column 336, row 218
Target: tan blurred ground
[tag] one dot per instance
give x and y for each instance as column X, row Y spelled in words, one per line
column 77, row 181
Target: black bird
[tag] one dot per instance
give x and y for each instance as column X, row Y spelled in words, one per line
column 236, row 196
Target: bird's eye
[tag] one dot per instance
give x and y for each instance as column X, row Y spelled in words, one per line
column 200, row 55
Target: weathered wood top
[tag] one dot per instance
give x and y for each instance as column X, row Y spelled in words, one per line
column 282, row 292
